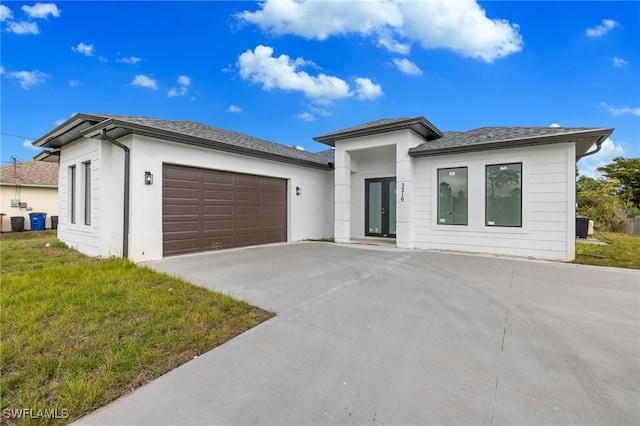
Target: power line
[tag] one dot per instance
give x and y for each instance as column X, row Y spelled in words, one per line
column 16, row 136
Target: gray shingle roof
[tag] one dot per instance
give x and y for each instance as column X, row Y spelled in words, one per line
column 30, row 173
column 419, row 125
column 504, row 137
column 182, row 131
column 228, row 137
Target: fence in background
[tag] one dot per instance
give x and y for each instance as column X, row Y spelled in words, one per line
column 633, row 226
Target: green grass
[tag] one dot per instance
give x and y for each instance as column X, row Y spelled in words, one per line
column 322, row 240
column 78, row 332
column 621, row 251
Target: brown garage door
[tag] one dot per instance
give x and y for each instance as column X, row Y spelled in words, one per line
column 211, row 210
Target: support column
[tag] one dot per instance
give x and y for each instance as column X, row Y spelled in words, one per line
column 405, row 222
column 342, row 220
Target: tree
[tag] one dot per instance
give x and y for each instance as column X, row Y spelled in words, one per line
column 600, row 201
column 625, row 175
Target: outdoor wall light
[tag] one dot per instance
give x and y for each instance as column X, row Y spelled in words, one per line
column 148, row 178
column 298, row 190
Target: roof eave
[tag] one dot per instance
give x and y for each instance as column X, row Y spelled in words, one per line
column 597, row 134
column 420, row 125
column 122, row 128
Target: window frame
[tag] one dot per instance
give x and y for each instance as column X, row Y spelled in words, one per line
column 438, row 170
column 86, row 176
column 72, row 193
column 486, row 195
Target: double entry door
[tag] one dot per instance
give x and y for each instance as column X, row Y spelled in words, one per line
column 380, row 207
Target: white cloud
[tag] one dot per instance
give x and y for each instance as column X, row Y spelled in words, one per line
column 619, row 111
column 102, row 59
column 366, row 89
column 74, row 83
column 407, row 67
column 321, row 111
column 619, row 62
column 41, row 10
column 605, row 26
column 461, row 25
column 261, row 67
column 234, row 108
column 23, row 27
column 184, row 82
column 85, row 49
column 130, row 60
column 587, row 166
column 393, row 45
column 27, row 144
column 142, row 80
column 5, row 13
column 554, row 125
column 28, row 79
column 306, row 116
column 320, row 20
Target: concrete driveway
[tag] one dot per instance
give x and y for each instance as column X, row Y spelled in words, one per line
column 369, row 335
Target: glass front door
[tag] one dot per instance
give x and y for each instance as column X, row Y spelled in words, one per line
column 380, row 207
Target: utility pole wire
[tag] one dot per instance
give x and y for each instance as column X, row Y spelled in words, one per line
column 16, row 136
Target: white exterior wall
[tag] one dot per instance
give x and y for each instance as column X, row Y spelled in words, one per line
column 548, row 204
column 41, row 199
column 85, row 238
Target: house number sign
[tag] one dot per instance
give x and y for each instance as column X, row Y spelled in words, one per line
column 402, row 192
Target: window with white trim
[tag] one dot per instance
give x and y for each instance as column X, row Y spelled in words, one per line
column 452, row 196
column 503, row 195
column 72, row 193
column 86, row 169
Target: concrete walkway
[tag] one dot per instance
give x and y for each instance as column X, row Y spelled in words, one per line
column 373, row 335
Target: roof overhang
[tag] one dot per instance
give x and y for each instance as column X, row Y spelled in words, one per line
column 419, row 125
column 582, row 139
column 93, row 126
column 49, row 156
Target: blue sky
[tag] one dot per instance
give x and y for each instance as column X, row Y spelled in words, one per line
column 286, row 70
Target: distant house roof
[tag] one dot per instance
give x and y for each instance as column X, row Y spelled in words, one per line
column 182, row 131
column 30, row 173
column 419, row 125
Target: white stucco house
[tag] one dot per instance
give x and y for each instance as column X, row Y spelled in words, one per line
column 145, row 188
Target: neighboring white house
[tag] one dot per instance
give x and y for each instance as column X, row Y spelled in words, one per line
column 147, row 188
column 28, row 187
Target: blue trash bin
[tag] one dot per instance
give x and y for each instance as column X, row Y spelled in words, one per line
column 37, row 221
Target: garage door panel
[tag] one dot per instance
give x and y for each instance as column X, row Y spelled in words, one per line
column 181, row 227
column 218, row 210
column 179, row 209
column 247, row 196
column 218, row 225
column 220, row 178
column 209, row 210
column 178, row 173
column 248, row 210
column 218, row 195
column 244, row 224
column 180, row 193
column 248, row 181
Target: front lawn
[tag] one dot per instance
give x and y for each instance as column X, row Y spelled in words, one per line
column 78, row 332
column 621, row 251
